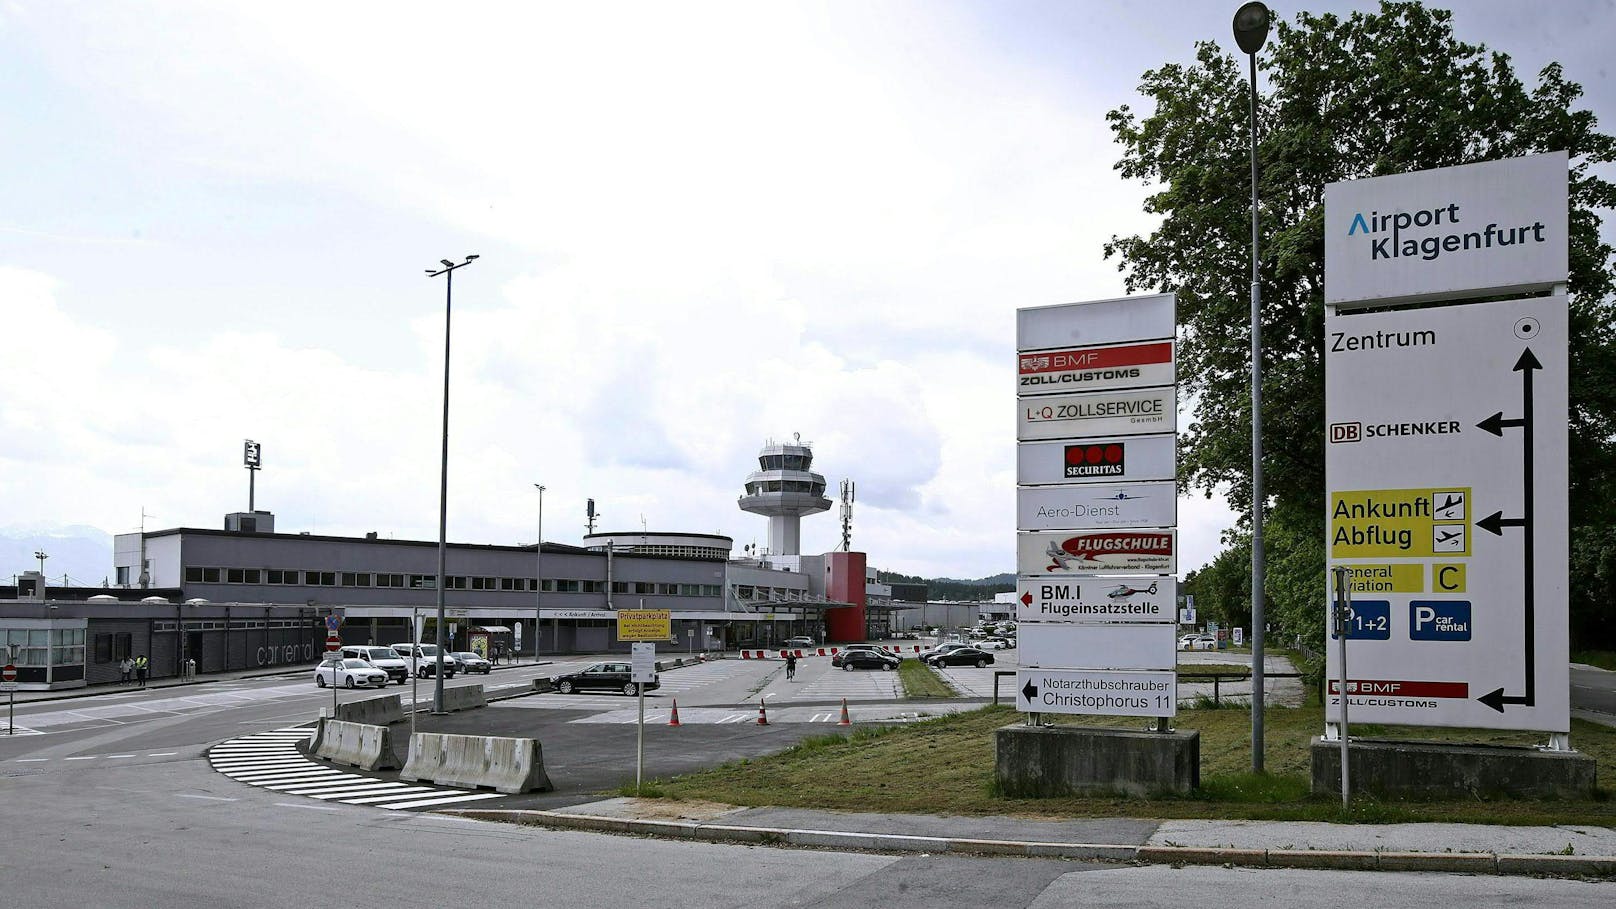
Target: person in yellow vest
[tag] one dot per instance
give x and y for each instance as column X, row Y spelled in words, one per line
column 141, row 667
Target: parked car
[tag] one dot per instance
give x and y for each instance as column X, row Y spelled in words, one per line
column 423, row 659
column 866, row 659
column 941, row 648
column 610, row 676
column 963, row 656
column 471, row 661
column 841, row 654
column 349, row 673
column 993, row 644
column 382, row 658
column 794, row 643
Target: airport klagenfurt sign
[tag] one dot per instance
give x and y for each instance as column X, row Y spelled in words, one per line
column 1497, row 226
column 1446, row 473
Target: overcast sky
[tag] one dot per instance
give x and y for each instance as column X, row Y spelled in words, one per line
column 702, row 225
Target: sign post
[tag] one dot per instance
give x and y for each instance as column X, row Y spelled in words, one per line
column 1096, row 411
column 644, row 666
column 333, row 651
column 1447, row 447
column 8, row 680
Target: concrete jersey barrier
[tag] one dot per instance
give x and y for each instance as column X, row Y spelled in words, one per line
column 361, row 745
column 471, row 761
column 464, row 697
column 380, row 711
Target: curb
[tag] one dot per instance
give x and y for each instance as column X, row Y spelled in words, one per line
column 1348, row 860
column 1313, row 859
column 772, row 836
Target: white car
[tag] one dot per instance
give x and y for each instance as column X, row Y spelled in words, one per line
column 349, row 673
column 423, row 659
column 993, row 644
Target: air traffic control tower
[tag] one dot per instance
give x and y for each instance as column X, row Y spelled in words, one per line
column 785, row 489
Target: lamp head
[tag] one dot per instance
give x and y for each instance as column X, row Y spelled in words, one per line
column 1251, row 27
column 471, row 256
column 446, row 263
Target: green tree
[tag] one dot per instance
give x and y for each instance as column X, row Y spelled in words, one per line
column 1363, row 95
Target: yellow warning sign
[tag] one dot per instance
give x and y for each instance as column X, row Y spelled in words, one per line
column 1406, row 523
column 1386, row 578
column 644, row 624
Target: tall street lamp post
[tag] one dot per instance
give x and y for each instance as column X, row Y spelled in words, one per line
column 447, row 271
column 538, row 579
column 1250, row 33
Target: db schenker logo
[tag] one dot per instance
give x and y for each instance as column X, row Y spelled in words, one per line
column 1094, row 460
column 1346, row 432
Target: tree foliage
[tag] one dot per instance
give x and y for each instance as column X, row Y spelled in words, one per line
column 1346, row 97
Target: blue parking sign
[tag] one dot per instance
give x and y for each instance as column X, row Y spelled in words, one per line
column 1439, row 620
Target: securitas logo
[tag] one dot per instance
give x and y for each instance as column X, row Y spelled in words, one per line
column 1084, row 461
column 1437, row 232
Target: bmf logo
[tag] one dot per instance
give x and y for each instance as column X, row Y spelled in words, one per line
column 1346, row 432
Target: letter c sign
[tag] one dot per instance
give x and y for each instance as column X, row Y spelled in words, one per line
column 1448, row 578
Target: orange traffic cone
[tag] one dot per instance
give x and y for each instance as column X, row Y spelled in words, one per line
column 845, row 720
column 673, row 719
column 763, row 715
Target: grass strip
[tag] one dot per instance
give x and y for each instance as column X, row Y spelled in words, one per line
column 922, row 681
column 1604, row 659
column 945, row 766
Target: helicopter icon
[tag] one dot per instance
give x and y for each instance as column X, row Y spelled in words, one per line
column 1123, row 591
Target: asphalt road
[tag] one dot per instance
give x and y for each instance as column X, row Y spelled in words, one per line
column 1593, row 690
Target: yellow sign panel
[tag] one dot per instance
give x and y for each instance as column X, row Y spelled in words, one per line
column 644, row 624
column 1402, row 523
column 1386, row 578
column 1448, row 578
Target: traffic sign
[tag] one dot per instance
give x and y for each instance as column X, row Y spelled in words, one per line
column 644, row 624
column 1131, row 365
column 333, row 643
column 1062, row 645
column 9, row 674
column 1096, row 551
column 1095, row 600
column 1446, row 472
column 333, row 623
column 1100, row 413
column 1097, row 692
column 1096, row 506
column 1111, row 459
column 643, row 662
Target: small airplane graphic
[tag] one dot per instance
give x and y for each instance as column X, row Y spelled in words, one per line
column 1119, row 497
column 1060, row 558
column 1445, row 537
column 1123, row 591
column 1449, row 502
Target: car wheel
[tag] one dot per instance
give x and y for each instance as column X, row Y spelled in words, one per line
column 319, row 680
column 981, row 664
column 565, row 688
column 888, row 667
column 631, row 689
column 350, row 682
column 848, row 666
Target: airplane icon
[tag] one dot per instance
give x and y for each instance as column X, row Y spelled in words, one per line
column 1119, row 497
column 1060, row 559
column 1445, row 537
column 1124, row 591
column 1449, row 501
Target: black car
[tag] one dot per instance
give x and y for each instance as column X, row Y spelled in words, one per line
column 962, row 656
column 609, row 676
column 866, row 659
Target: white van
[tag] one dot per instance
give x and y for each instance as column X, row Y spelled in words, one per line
column 382, row 658
column 423, row 659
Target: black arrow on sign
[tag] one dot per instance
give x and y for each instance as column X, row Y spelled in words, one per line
column 1496, row 522
column 1030, row 691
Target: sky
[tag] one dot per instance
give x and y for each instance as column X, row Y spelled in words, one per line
column 701, row 226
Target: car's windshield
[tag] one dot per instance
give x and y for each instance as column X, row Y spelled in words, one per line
column 465, row 655
column 354, row 664
column 430, row 650
column 382, row 653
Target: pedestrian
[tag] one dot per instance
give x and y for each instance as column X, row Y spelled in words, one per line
column 141, row 667
column 791, row 666
column 127, row 669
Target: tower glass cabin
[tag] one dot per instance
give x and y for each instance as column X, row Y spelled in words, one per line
column 785, row 488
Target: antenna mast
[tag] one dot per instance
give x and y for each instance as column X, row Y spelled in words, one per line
column 847, row 515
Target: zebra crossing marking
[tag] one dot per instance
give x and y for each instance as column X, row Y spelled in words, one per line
column 270, row 761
